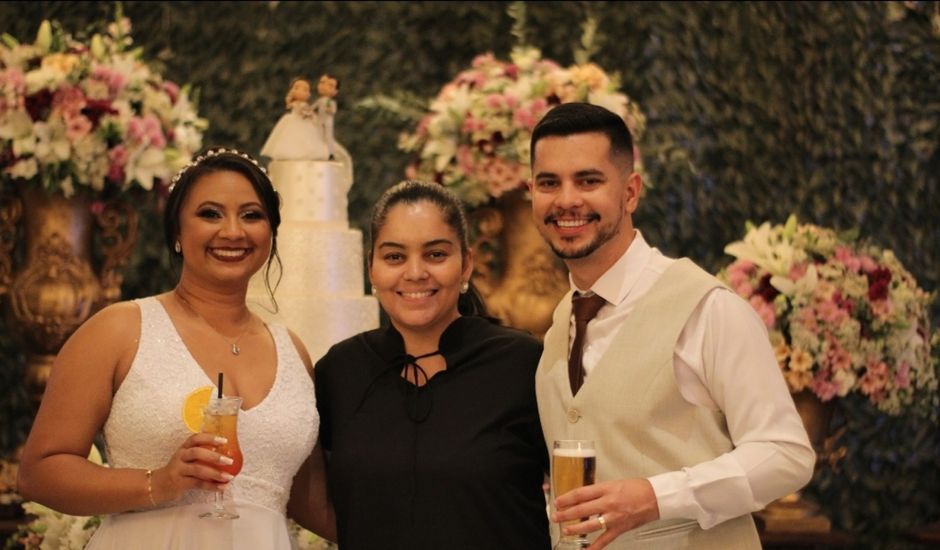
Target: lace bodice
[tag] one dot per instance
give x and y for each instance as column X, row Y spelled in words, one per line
column 145, row 426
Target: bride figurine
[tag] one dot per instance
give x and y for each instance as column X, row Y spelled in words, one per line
column 297, row 135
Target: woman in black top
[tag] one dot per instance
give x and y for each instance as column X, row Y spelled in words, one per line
column 431, row 424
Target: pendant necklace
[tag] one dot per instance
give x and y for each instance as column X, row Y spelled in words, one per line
column 235, row 349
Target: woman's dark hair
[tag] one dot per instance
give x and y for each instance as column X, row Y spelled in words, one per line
column 217, row 160
column 411, row 192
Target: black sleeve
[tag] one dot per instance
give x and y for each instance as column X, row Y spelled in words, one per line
column 321, row 385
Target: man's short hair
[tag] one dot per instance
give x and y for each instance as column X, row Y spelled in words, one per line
column 583, row 118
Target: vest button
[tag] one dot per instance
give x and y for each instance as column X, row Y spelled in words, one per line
column 573, row 415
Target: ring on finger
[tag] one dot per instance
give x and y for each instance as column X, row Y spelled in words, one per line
column 602, row 521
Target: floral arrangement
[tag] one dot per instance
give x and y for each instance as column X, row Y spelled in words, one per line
column 475, row 136
column 90, row 116
column 843, row 316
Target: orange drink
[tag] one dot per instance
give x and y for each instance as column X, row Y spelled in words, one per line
column 225, row 425
column 221, row 418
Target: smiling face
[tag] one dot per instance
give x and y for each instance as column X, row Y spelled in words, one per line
column 583, row 199
column 418, row 268
column 223, row 229
column 299, row 91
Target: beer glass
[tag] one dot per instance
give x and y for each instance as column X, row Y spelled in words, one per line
column 221, row 418
column 573, row 466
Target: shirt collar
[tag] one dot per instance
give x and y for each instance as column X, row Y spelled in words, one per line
column 615, row 284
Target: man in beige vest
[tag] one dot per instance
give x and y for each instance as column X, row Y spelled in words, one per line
column 675, row 382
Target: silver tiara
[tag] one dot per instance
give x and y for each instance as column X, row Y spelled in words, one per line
column 208, row 155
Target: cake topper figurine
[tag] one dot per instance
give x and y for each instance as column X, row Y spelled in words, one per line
column 296, row 136
column 325, row 108
column 305, row 131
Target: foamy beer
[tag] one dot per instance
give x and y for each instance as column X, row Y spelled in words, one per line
column 573, row 465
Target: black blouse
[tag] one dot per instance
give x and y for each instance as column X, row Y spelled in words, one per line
column 455, row 464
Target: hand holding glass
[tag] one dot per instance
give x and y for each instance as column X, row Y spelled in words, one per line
column 221, row 418
column 573, row 466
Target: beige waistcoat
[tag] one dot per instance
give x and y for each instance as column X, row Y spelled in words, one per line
column 631, row 407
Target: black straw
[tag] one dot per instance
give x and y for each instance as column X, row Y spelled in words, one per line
column 220, row 385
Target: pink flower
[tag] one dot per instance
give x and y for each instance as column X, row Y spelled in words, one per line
column 764, row 310
column 823, row 387
column 845, row 255
column 114, row 79
column 830, row 312
column 502, row 176
column 465, row 161
column 471, row 124
column 68, row 101
column 839, row 358
column 96, row 207
column 172, row 89
column 867, row 263
column 797, row 271
column 118, row 160
column 494, row 101
column 739, row 272
column 874, row 380
column 147, row 130
column 77, row 127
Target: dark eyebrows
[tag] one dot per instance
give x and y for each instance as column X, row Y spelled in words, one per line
column 435, row 242
column 588, row 172
column 253, row 204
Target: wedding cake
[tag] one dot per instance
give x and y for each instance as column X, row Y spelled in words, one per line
column 321, row 292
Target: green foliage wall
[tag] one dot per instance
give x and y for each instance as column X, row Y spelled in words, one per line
column 755, row 110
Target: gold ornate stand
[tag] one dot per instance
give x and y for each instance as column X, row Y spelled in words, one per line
column 518, row 275
column 55, row 287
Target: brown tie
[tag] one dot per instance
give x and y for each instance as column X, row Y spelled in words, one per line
column 585, row 308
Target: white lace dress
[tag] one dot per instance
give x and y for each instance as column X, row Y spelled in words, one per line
column 145, row 428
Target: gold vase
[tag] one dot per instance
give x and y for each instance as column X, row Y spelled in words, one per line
column 56, row 285
column 517, row 273
column 793, row 513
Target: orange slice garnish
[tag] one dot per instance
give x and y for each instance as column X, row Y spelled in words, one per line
column 193, row 406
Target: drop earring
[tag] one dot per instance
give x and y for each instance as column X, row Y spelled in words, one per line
column 374, row 290
column 178, row 247
column 465, row 287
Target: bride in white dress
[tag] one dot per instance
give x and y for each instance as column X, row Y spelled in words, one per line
column 128, row 369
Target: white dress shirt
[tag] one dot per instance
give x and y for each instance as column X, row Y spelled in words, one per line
column 723, row 361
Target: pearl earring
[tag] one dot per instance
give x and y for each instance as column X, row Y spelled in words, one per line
column 465, row 287
column 374, row 290
column 178, row 247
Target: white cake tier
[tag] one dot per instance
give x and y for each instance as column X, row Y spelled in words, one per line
column 319, row 260
column 320, row 322
column 311, row 190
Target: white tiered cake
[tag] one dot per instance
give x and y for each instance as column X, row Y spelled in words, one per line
column 320, row 296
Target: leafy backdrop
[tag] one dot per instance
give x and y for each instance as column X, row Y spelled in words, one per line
column 755, row 110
